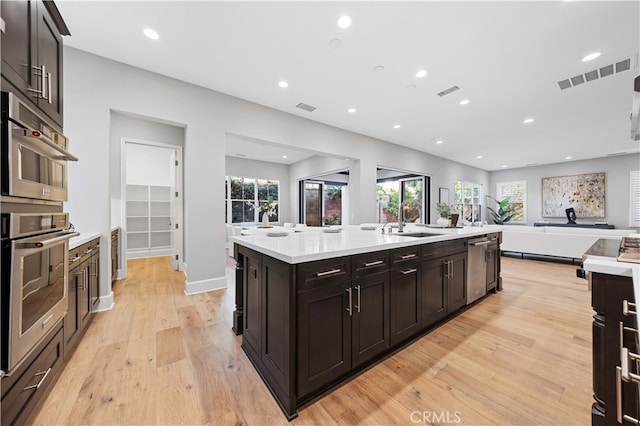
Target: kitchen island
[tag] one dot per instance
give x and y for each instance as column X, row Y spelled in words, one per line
column 319, row 306
column 615, row 287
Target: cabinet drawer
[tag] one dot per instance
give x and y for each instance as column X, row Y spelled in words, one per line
column 21, row 399
column 443, row 248
column 370, row 263
column 314, row 274
column 405, row 255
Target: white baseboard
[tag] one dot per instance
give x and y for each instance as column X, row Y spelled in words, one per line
column 105, row 303
column 202, row 286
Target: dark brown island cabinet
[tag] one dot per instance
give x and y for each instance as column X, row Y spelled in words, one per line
column 114, row 254
column 616, row 372
column 310, row 326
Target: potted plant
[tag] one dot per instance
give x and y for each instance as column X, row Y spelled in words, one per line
column 267, row 208
column 444, row 211
column 504, row 214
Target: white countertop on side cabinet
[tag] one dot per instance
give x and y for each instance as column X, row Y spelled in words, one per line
column 84, row 237
column 311, row 243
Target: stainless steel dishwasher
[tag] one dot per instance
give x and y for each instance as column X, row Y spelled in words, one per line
column 477, row 269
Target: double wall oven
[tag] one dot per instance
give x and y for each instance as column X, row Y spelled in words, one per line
column 34, row 230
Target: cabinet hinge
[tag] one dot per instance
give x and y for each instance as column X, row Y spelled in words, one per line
column 176, row 162
column 176, row 193
column 176, row 226
column 176, row 257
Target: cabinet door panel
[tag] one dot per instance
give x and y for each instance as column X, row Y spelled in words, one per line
column 492, row 254
column 276, row 330
column 253, row 303
column 324, row 336
column 84, row 299
column 434, row 296
column 370, row 323
column 17, row 44
column 405, row 300
column 457, row 283
column 50, row 56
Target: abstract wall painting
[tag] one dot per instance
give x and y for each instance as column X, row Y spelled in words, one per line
column 585, row 193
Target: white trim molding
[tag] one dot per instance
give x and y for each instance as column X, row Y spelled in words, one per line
column 203, row 286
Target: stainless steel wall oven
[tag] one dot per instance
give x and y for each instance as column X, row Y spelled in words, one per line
column 35, row 254
column 34, row 154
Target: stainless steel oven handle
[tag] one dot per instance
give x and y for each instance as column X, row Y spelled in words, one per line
column 27, row 132
column 46, row 243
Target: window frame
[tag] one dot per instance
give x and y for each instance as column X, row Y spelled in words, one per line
column 634, row 199
column 257, row 215
column 500, row 196
column 459, row 194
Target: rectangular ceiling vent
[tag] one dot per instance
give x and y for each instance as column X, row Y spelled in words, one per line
column 613, row 154
column 306, row 107
column 607, row 70
column 449, row 90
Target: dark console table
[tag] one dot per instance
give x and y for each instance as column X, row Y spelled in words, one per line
column 575, row 225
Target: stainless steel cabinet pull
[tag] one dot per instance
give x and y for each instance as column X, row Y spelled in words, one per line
column 451, row 269
column 625, row 308
column 48, row 86
column 95, row 268
column 75, row 259
column 44, row 375
column 620, row 416
column 376, row 263
column 43, row 79
column 349, row 308
column 325, row 273
column 358, row 299
column 409, row 271
column 408, row 256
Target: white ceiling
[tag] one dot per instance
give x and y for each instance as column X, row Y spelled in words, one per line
column 505, row 56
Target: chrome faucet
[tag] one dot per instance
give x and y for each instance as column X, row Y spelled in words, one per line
column 401, row 213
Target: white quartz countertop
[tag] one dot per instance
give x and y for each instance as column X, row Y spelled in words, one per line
column 84, row 237
column 310, row 244
column 604, row 263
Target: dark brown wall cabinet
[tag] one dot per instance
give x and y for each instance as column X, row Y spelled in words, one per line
column 32, row 54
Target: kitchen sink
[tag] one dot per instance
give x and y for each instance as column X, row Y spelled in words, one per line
column 417, row 234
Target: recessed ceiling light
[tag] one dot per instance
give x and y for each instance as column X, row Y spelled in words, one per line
column 568, row 158
column 335, row 43
column 528, row 120
column 591, row 56
column 397, row 126
column 439, row 142
column 479, row 156
column 504, row 166
column 151, row 34
column 464, row 101
column 283, row 84
column 344, row 21
column 284, row 156
column 411, row 87
column 351, row 110
column 421, row 73
column 378, row 68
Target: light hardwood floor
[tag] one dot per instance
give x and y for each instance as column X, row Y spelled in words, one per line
column 520, row 357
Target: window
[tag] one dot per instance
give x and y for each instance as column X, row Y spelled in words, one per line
column 516, row 193
column 321, row 202
column 634, row 199
column 390, row 192
column 467, row 200
column 243, row 194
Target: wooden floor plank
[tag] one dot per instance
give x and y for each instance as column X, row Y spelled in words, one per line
column 522, row 356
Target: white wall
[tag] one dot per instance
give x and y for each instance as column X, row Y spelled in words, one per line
column 264, row 170
column 616, row 170
column 207, row 116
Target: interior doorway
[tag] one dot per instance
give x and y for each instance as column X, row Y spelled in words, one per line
column 152, row 197
column 324, row 200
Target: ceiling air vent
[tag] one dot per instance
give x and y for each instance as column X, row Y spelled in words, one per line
column 613, row 154
column 607, row 70
column 449, row 90
column 306, row 107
